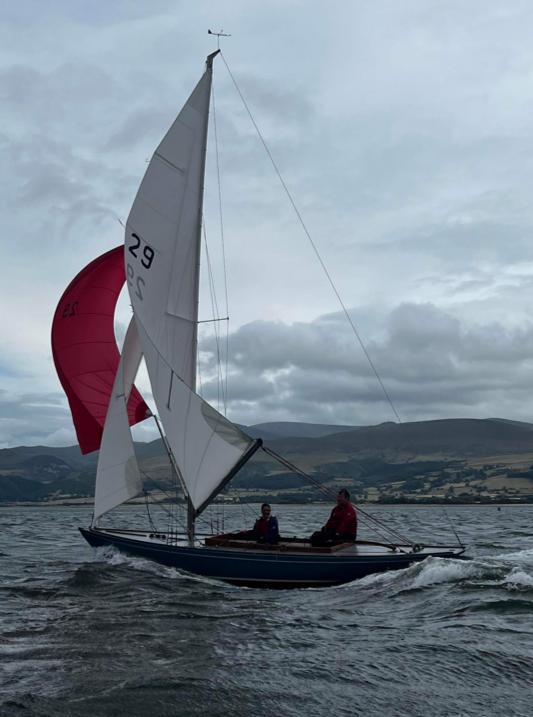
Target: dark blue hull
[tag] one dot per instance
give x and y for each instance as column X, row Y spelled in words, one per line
column 270, row 569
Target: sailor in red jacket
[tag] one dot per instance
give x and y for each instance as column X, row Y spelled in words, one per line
column 342, row 524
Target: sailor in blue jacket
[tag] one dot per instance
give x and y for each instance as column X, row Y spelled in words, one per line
column 266, row 528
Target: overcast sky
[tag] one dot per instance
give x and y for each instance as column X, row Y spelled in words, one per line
column 404, row 131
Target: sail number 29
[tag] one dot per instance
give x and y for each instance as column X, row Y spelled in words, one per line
column 146, row 257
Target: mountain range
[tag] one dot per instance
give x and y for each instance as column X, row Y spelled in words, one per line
column 385, row 457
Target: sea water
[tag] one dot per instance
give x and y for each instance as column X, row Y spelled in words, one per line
column 96, row 632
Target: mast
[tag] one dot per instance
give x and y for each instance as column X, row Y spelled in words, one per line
column 191, row 512
column 209, row 70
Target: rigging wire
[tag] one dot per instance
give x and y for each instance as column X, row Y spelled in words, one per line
column 216, row 316
column 199, row 383
column 172, row 500
column 370, row 518
column 152, row 526
column 333, row 286
column 171, row 515
column 313, row 245
column 219, row 184
column 459, row 541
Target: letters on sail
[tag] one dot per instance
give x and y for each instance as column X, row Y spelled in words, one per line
column 162, row 237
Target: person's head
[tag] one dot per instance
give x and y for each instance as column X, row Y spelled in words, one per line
column 266, row 510
column 343, row 497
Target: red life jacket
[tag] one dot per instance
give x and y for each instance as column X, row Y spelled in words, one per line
column 343, row 519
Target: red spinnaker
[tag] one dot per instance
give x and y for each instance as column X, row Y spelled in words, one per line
column 85, row 350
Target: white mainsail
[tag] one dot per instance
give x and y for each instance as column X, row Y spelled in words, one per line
column 162, row 265
column 117, row 476
column 162, row 236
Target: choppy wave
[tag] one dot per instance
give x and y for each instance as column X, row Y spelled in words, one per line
column 518, row 580
column 112, row 556
column 86, row 632
column 508, row 571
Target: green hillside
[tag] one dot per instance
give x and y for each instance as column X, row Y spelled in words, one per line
column 451, row 459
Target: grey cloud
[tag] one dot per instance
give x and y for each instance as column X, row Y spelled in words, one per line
column 9, row 369
column 18, row 82
column 50, row 406
column 50, row 184
column 43, row 399
column 78, row 11
column 141, row 122
column 51, row 190
column 406, row 140
column 273, row 103
column 430, row 361
column 240, row 387
column 59, row 97
column 34, row 418
column 469, row 244
column 273, row 346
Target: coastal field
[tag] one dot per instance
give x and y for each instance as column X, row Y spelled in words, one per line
column 452, row 461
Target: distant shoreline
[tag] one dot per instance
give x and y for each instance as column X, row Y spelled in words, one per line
column 415, row 504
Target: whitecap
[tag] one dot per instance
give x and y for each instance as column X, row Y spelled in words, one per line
column 435, row 571
column 518, row 580
column 112, row 556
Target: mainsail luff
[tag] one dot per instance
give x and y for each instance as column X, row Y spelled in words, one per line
column 191, row 509
column 209, row 69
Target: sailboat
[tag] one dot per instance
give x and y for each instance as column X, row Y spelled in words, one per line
column 160, row 262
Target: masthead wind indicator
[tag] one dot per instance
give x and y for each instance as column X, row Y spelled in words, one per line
column 218, row 35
